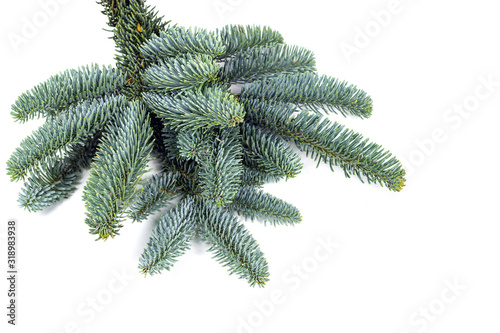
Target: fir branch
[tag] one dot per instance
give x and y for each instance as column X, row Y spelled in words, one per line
column 170, row 92
column 267, row 114
column 169, row 239
column 220, row 172
column 185, row 169
column 255, row 204
column 267, row 61
column 269, row 153
column 62, row 90
column 252, row 177
column 111, row 9
column 177, row 41
column 232, row 244
column 157, row 193
column 71, row 127
column 117, row 169
column 57, row 178
column 170, row 139
column 53, row 182
column 135, row 24
column 312, row 92
column 212, row 107
column 195, row 144
column 331, row 143
column 181, row 73
column 238, row 38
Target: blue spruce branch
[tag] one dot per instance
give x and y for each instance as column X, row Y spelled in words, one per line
column 169, row 239
column 176, row 41
column 269, row 153
column 220, row 172
column 181, row 73
column 121, row 160
column 232, row 244
column 239, row 38
column 191, row 110
column 254, row 204
column 330, row 142
column 313, row 92
column 62, row 90
column 268, row 62
column 157, row 193
column 57, row 178
column 74, row 126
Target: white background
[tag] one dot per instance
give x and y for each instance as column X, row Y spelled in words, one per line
column 398, row 252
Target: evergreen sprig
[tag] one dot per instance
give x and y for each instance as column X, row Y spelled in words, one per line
column 269, row 153
column 181, row 73
column 237, row 38
column 329, row 142
column 133, row 24
column 159, row 191
column 53, row 182
column 232, row 244
column 195, row 145
column 268, row 61
column 252, row 177
column 174, row 96
column 220, row 172
column 169, row 239
column 57, row 178
column 313, row 92
column 191, row 110
column 177, row 41
column 255, row 204
column 169, row 147
column 57, row 132
column 121, row 160
column 60, row 91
